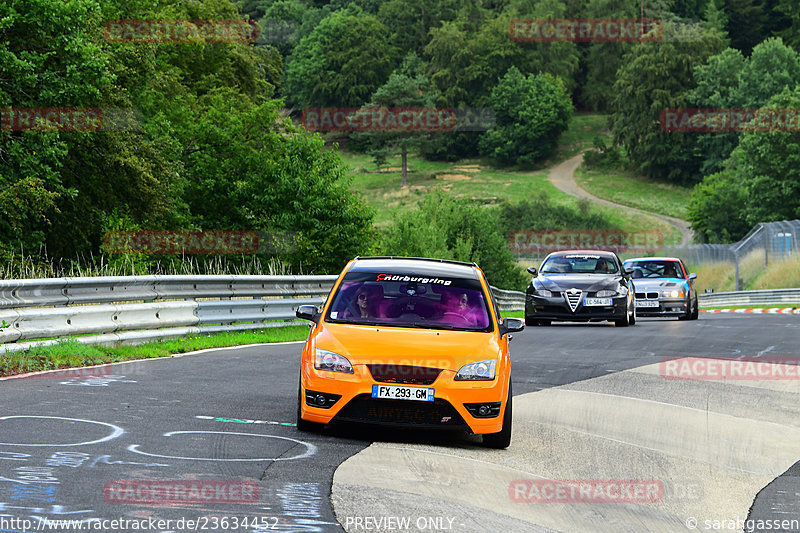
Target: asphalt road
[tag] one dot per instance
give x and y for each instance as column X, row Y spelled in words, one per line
column 216, row 428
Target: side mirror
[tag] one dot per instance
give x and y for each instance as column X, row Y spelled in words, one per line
column 628, row 270
column 308, row 312
column 511, row 325
column 532, row 271
column 692, row 276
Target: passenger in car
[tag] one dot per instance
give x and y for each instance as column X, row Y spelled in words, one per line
column 366, row 302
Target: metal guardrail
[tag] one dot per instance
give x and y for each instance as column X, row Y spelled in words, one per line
column 101, row 310
column 509, row 300
column 133, row 309
column 787, row 297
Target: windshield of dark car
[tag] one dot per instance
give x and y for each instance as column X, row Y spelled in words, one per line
column 655, row 269
column 582, row 264
column 423, row 302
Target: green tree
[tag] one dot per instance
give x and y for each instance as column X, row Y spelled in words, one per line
column 715, row 18
column 251, row 169
column 789, row 16
column 716, row 208
column 654, row 77
column 747, row 23
column 768, row 166
column 341, row 63
column 531, row 114
column 411, row 20
column 407, row 87
column 728, row 80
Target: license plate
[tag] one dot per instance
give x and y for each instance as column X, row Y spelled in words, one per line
column 597, row 301
column 646, row 303
column 393, row 392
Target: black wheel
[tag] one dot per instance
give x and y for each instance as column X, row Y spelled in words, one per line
column 633, row 316
column 624, row 322
column 502, row 439
column 696, row 312
column 304, row 425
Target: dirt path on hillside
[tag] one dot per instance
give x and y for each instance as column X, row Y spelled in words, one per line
column 563, row 177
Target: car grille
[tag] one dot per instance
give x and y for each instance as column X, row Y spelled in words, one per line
column 647, row 295
column 406, row 374
column 438, row 413
column 573, row 297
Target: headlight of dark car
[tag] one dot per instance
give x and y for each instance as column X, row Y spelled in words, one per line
column 607, row 293
column 543, row 292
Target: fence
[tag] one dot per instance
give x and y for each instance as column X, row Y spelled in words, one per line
column 768, row 241
column 132, row 309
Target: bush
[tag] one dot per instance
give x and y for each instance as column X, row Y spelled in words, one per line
column 452, row 228
column 540, row 213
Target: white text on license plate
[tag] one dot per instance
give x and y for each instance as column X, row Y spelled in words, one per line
column 597, row 301
column 394, row 392
column 646, row 303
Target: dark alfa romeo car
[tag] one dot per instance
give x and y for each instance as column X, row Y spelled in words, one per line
column 580, row 285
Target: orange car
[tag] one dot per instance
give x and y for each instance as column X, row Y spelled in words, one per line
column 409, row 342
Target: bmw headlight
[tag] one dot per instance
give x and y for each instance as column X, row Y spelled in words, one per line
column 326, row 360
column 543, row 292
column 674, row 293
column 606, row 293
column 480, row 371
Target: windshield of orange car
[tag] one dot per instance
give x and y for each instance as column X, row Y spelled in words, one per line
column 410, row 301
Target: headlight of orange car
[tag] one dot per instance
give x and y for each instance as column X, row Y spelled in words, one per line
column 326, row 360
column 479, row 371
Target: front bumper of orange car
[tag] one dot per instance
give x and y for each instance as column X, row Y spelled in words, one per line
column 456, row 406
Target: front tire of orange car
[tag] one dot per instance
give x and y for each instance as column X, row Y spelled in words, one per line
column 304, row 425
column 502, row 439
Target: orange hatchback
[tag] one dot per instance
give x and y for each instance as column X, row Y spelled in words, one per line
column 409, row 342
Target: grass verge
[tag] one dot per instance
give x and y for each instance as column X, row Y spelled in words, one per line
column 72, row 354
column 626, row 188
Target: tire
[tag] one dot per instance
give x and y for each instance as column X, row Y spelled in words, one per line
column 304, row 425
column 696, row 313
column 688, row 315
column 502, row 439
column 624, row 322
column 633, row 316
